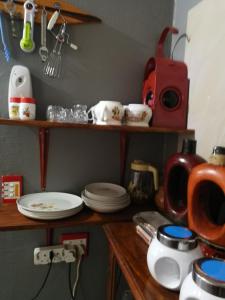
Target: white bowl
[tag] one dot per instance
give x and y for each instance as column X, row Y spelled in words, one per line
column 108, row 203
column 104, row 191
column 101, row 207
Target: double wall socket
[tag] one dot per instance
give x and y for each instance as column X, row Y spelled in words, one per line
column 42, row 255
column 78, row 239
column 72, row 245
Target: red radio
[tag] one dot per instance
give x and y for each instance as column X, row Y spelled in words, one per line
column 165, row 88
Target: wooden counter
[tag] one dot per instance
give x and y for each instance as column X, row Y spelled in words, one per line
column 130, row 252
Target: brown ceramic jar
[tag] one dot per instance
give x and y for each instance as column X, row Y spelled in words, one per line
column 206, row 200
column 177, row 171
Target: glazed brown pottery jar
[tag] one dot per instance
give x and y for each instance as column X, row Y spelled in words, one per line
column 206, row 200
column 177, row 171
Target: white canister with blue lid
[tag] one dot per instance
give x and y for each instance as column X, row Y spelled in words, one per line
column 206, row 281
column 170, row 255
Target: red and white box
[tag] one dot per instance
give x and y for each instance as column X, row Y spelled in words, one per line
column 11, row 188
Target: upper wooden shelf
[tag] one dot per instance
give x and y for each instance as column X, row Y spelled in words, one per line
column 71, row 14
column 122, row 128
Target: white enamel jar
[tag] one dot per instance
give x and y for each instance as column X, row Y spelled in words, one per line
column 206, row 281
column 137, row 115
column 170, row 255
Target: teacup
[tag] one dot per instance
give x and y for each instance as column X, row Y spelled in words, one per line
column 137, row 115
column 107, row 113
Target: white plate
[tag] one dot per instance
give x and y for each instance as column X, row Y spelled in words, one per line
column 38, row 216
column 50, row 202
column 112, row 203
column 103, row 208
column 104, row 191
column 52, row 214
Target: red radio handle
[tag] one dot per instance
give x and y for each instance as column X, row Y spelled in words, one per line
column 150, row 66
column 159, row 50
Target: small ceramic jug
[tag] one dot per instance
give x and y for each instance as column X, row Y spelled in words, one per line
column 107, row 113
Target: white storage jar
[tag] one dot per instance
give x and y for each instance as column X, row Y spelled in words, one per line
column 206, row 281
column 170, row 255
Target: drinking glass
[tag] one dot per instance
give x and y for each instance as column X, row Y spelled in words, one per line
column 80, row 113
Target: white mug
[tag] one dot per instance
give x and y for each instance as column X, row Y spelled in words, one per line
column 107, row 113
column 137, row 115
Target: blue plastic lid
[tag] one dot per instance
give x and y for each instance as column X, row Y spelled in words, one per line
column 214, row 268
column 178, row 231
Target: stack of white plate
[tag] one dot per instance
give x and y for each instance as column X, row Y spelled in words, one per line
column 105, row 197
column 49, row 205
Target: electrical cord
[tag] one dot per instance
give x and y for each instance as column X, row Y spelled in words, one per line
column 69, row 280
column 45, row 279
column 77, row 273
column 184, row 35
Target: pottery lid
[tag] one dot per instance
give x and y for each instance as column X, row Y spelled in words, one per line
column 177, row 237
column 218, row 150
column 218, row 156
column 209, row 274
column 189, row 146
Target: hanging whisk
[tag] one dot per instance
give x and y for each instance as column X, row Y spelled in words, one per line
column 52, row 67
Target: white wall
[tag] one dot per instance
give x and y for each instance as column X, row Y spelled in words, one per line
column 203, row 21
column 205, row 58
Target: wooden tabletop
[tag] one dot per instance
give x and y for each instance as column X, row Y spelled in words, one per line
column 12, row 219
column 131, row 254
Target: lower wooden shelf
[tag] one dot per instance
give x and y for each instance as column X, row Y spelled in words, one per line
column 12, row 219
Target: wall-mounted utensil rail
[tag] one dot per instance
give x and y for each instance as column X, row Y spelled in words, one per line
column 72, row 14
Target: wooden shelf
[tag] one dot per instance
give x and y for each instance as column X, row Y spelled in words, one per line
column 122, row 128
column 12, row 219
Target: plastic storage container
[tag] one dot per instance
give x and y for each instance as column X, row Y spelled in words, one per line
column 205, row 282
column 27, row 109
column 170, row 255
column 206, row 200
column 14, row 107
column 177, row 171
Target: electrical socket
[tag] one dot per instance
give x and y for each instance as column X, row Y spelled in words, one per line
column 42, row 255
column 79, row 239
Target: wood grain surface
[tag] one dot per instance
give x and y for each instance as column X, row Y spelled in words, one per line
column 123, row 128
column 131, row 254
column 71, row 13
column 12, row 219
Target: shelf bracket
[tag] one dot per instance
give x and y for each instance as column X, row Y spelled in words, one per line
column 43, row 144
column 123, row 154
